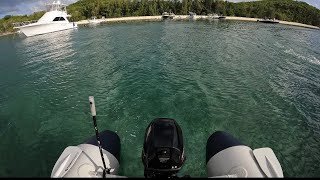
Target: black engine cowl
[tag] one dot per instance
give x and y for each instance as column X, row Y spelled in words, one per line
column 163, row 149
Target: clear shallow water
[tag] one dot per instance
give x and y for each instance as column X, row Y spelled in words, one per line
column 259, row 82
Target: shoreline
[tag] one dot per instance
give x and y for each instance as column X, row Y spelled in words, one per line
column 179, row 17
column 186, row 17
column 280, row 22
column 7, row 33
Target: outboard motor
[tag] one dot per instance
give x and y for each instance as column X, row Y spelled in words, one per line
column 163, row 149
column 163, row 154
column 228, row 157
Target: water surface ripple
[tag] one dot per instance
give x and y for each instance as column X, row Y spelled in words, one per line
column 259, row 82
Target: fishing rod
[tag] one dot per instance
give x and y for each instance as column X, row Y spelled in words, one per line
column 94, row 114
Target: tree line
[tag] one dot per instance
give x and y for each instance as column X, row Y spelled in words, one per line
column 287, row 10
column 6, row 22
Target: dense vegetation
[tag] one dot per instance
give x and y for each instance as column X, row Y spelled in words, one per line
column 6, row 22
column 288, row 10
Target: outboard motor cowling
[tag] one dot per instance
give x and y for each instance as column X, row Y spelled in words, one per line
column 163, row 149
column 228, row 157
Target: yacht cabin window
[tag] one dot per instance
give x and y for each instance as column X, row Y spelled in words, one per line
column 59, row 19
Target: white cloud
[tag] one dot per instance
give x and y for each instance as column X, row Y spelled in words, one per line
column 315, row 3
column 22, row 7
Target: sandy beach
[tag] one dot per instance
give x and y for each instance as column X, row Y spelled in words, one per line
column 124, row 19
column 6, row 33
column 281, row 22
column 179, row 17
column 185, row 17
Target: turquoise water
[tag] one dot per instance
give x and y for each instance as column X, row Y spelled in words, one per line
column 259, row 82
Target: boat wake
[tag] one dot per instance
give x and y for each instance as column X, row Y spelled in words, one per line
column 310, row 58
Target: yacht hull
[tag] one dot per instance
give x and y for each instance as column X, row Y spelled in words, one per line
column 37, row 29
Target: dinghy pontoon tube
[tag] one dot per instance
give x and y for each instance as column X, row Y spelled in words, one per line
column 228, row 157
column 163, row 154
column 84, row 160
column 99, row 156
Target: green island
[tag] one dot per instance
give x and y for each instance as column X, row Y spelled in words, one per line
column 285, row 10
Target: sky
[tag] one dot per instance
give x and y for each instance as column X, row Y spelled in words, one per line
column 22, row 7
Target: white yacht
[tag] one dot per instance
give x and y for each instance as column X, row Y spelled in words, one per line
column 55, row 19
column 166, row 15
column 192, row 15
column 215, row 16
column 268, row 20
column 94, row 20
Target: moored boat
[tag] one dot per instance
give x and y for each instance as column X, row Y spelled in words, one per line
column 268, row 20
column 55, row 19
